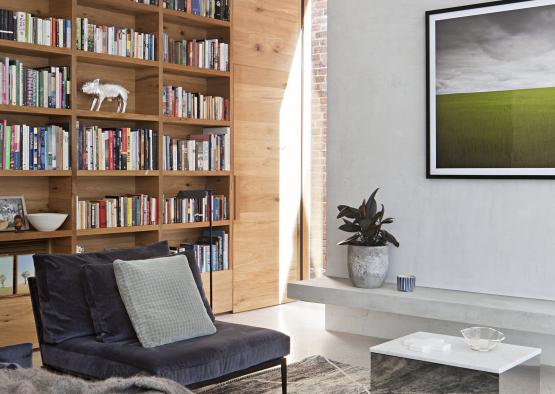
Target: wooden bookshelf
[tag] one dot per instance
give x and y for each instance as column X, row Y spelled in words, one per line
column 57, row 191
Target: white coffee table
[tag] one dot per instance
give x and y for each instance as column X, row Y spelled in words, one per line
column 506, row 369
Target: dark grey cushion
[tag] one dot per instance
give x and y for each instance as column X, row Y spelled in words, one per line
column 232, row 348
column 59, row 280
column 108, row 312
column 20, row 355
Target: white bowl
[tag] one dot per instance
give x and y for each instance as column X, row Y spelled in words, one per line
column 47, row 221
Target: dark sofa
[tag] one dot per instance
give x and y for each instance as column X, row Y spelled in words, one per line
column 232, row 351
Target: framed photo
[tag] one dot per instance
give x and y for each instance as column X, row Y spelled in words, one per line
column 6, row 275
column 25, row 269
column 491, row 90
column 12, row 209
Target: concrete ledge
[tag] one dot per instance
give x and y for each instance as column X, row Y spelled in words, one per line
column 522, row 314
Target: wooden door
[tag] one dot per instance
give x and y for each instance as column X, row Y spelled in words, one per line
column 266, row 37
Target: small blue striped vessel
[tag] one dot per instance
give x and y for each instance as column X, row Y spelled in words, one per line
column 406, row 283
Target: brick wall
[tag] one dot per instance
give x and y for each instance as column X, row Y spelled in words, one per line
column 319, row 132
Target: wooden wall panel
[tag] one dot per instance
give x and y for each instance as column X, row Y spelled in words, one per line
column 265, row 35
column 16, row 321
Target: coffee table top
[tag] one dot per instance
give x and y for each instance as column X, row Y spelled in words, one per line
column 499, row 360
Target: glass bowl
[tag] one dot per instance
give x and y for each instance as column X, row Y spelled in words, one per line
column 482, row 339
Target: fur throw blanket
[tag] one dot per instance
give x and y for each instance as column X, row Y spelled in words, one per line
column 35, row 381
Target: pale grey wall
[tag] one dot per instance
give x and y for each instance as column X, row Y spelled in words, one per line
column 493, row 236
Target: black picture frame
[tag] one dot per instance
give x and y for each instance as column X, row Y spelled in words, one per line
column 432, row 170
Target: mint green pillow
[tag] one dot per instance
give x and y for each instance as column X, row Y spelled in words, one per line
column 162, row 300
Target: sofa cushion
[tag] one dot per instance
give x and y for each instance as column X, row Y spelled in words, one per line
column 21, row 355
column 59, row 279
column 162, row 300
column 108, row 312
column 232, row 348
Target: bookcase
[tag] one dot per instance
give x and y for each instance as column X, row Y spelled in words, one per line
column 58, row 190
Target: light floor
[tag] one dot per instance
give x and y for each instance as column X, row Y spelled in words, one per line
column 304, row 323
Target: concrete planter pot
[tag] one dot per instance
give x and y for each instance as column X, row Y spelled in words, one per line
column 368, row 265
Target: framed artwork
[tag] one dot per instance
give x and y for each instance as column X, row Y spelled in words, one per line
column 12, row 209
column 491, row 90
column 6, row 275
column 25, row 269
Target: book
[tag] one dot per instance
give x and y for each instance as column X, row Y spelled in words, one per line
column 25, row 27
column 216, row 9
column 208, row 249
column 212, row 54
column 177, row 102
column 117, row 211
column 192, row 206
column 24, row 147
column 116, row 148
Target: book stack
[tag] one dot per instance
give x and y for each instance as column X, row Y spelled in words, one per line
column 116, row 148
column 217, row 9
column 192, row 206
column 47, row 87
column 117, row 211
column 149, row 2
column 212, row 54
column 113, row 40
column 209, row 151
column 25, row 147
column 202, row 250
column 182, row 104
column 24, row 27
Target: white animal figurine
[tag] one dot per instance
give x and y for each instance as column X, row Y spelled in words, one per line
column 109, row 91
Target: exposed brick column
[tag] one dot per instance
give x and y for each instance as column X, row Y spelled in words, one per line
column 319, row 132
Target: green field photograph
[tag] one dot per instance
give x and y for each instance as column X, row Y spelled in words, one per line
column 504, row 129
column 25, row 269
column 494, row 98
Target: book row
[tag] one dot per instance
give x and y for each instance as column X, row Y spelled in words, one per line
column 182, row 104
column 212, row 54
column 113, row 40
column 14, row 272
column 24, row 27
column 192, row 206
column 47, row 87
column 211, row 249
column 116, row 148
column 149, row 2
column 24, row 147
column 216, row 9
column 117, row 211
column 210, row 151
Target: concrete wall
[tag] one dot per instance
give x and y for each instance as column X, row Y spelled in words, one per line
column 492, row 236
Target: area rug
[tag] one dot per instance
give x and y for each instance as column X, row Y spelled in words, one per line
column 314, row 374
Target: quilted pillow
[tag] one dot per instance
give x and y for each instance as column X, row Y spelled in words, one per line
column 162, row 300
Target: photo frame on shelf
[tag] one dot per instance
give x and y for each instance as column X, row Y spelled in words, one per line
column 25, row 268
column 13, row 213
column 491, row 90
column 6, row 275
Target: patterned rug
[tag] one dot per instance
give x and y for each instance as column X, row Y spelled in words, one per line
column 315, row 374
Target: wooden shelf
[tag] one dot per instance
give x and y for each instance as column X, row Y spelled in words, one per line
column 126, row 6
column 185, row 18
column 101, row 173
column 54, row 173
column 114, row 60
column 195, row 173
column 23, row 48
column 195, row 71
column 183, row 226
column 116, row 230
column 83, row 113
column 196, row 122
column 6, row 236
column 21, row 109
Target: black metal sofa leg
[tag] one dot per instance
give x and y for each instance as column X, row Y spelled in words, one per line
column 284, row 376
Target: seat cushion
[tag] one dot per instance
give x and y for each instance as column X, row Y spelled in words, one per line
column 21, row 354
column 232, row 348
column 162, row 300
column 59, row 279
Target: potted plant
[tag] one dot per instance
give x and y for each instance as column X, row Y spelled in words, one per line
column 368, row 257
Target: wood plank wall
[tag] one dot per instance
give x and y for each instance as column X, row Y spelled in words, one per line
column 264, row 35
